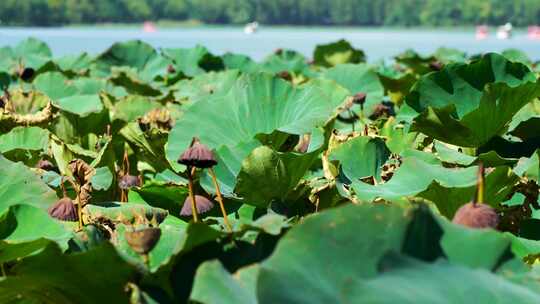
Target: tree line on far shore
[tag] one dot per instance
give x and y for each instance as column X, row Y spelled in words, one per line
column 293, row 12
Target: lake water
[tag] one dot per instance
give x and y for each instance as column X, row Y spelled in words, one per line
column 377, row 43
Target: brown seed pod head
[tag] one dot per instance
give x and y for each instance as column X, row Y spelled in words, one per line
column 360, row 98
column 475, row 215
column 203, row 205
column 198, row 155
column 46, row 165
column 436, row 65
column 285, row 75
column 129, row 181
column 171, row 69
column 144, row 240
column 64, row 210
column 27, row 74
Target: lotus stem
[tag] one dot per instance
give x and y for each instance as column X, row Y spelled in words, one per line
column 192, row 196
column 220, row 199
column 3, row 270
column 146, row 260
column 480, row 184
column 79, row 210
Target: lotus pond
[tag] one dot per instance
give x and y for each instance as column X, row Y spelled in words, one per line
column 147, row 175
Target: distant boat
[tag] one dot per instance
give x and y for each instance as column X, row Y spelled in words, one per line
column 149, row 27
column 533, row 32
column 482, row 32
column 251, row 28
column 505, row 32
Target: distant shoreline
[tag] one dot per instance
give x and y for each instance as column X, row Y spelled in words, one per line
column 195, row 24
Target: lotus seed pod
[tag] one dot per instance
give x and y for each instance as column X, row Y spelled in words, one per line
column 436, row 65
column 27, row 74
column 360, row 98
column 171, row 69
column 64, row 210
column 203, row 205
column 129, row 181
column 46, row 165
column 383, row 109
column 198, row 155
column 285, row 75
column 144, row 240
column 476, row 216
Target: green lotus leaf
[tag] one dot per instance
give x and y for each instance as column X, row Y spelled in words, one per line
column 358, row 78
column 323, row 256
column 13, row 251
column 414, row 281
column 53, row 277
column 257, row 104
column 448, row 188
column 213, row 284
column 102, row 179
column 267, row 175
column 240, row 62
column 19, row 185
column 204, row 85
column 339, row 52
column 193, row 61
column 32, row 53
column 286, row 60
column 135, row 54
column 25, row 223
column 132, row 107
column 468, row 104
column 517, row 56
column 75, row 63
column 361, row 157
column 24, row 138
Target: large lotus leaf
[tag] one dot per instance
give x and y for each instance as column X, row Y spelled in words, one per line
column 336, row 53
column 25, row 138
column 82, row 105
column 267, row 175
column 358, row 78
column 453, row 156
column 230, row 161
column 326, row 256
column 468, row 104
column 475, row 248
column 361, row 157
column 240, row 62
column 132, row 107
column 410, row 281
column 257, row 104
column 24, row 223
column 75, row 63
column 286, row 60
column 396, row 84
column 193, row 61
column 448, row 188
column 204, row 85
column 67, row 96
column 95, row 276
column 529, row 167
column 32, row 53
column 19, row 185
column 14, row 251
column 135, row 54
column 214, row 284
column 55, row 85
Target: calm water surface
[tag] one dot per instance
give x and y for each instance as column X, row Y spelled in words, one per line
column 377, row 43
